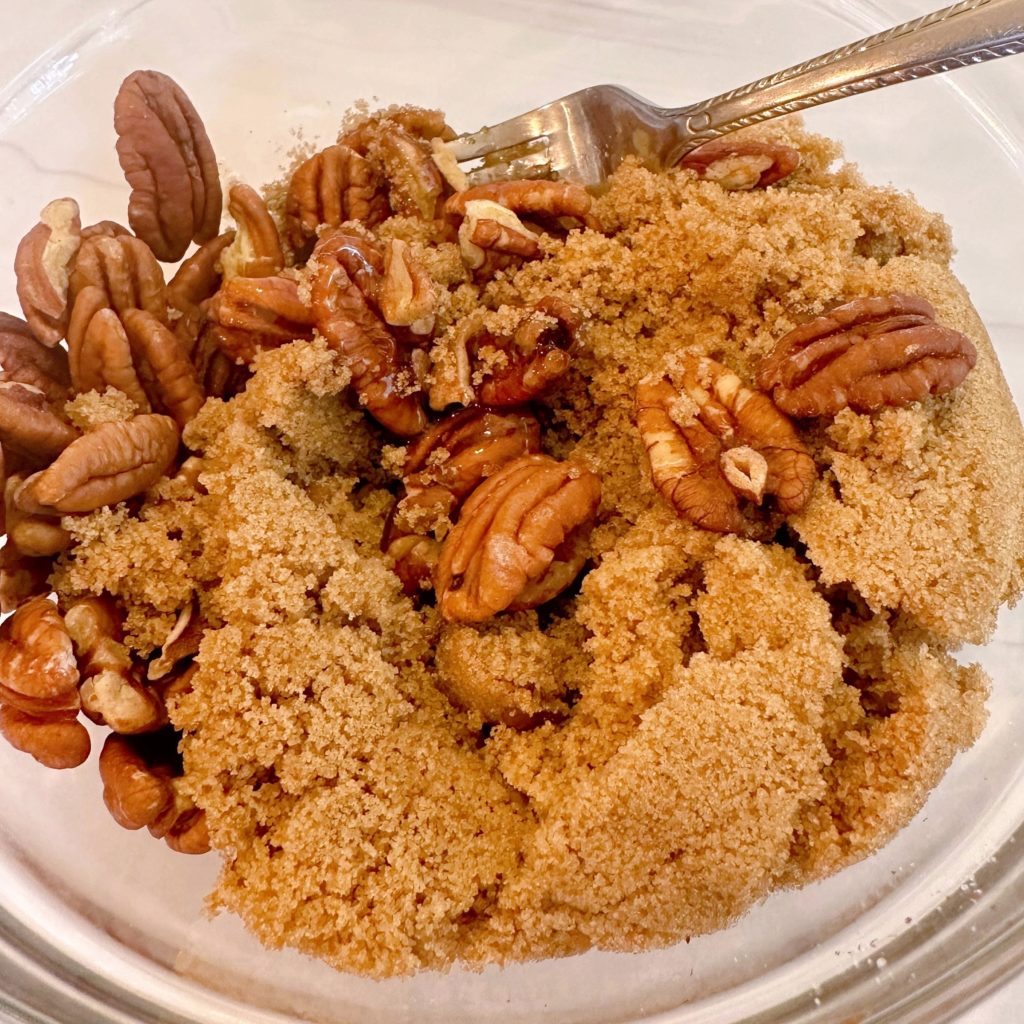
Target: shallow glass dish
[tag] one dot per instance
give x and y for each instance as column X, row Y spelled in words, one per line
column 98, row 925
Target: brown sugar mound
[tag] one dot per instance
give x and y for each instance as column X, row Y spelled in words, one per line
column 711, row 717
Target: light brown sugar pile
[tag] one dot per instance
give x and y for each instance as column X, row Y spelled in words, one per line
column 696, row 718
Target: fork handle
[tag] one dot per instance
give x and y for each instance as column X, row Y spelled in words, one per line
column 966, row 33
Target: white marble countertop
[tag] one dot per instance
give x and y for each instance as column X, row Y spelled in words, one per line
column 30, row 34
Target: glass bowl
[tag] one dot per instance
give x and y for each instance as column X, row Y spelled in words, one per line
column 98, row 924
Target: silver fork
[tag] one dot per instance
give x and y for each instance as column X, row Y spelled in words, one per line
column 585, row 136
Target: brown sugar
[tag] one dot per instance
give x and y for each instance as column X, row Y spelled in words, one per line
column 713, row 717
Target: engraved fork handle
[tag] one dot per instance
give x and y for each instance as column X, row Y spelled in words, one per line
column 969, row 32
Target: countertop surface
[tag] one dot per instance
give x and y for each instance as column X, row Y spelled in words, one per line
column 29, row 37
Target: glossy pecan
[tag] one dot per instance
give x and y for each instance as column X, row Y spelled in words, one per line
column 333, row 186
column 415, row 182
column 711, row 441
column 406, row 297
column 169, row 162
column 109, row 464
column 218, row 373
column 381, row 372
column 38, row 671
column 30, row 425
column 125, row 272
column 742, row 164
column 256, row 249
column 23, row 360
column 534, row 198
column 34, row 535
column 56, row 741
column 41, row 266
column 256, row 313
column 517, row 527
column 111, row 691
column 886, row 350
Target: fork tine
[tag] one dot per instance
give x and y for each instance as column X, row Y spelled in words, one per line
column 531, row 165
column 514, row 132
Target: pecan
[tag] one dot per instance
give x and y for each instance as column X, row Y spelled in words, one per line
column 256, row 249
column 742, row 164
column 41, row 265
column 182, row 642
column 513, row 369
column 111, row 692
column 109, row 464
column 712, row 441
column 492, row 237
column 167, row 376
column 105, row 228
column 414, row 558
column 38, row 672
column 103, row 358
column 23, row 360
column 216, row 371
column 535, row 198
column 424, row 123
column 21, row 578
column 198, row 277
column 381, row 373
column 515, row 528
column 124, row 270
column 34, row 535
column 29, row 425
column 333, row 186
column 256, row 313
column 167, row 158
column 56, row 741
column 406, row 295
column 416, row 183
column 886, row 350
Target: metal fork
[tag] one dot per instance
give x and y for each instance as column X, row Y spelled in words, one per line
column 585, row 136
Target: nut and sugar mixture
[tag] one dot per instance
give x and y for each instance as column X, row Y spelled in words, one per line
column 493, row 574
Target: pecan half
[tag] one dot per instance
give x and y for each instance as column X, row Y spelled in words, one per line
column 515, row 528
column 492, row 237
column 198, row 277
column 406, row 296
column 381, row 373
column 112, row 693
column 711, row 441
column 57, row 741
column 23, row 360
column 169, row 162
column 535, row 198
column 38, row 672
column 109, row 464
column 103, row 358
column 256, row 250
column 41, row 266
column 742, row 164
column 124, row 270
column 34, row 535
column 29, row 425
column 333, row 186
column 256, row 313
column 886, row 350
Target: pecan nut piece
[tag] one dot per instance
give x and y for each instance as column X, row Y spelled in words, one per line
column 406, row 295
column 534, row 198
column 414, row 559
column 712, row 441
column 57, row 741
column 22, row 578
column 38, row 671
column 416, row 183
column 886, row 350
column 255, row 313
column 109, row 464
column 41, row 265
column 381, row 373
column 492, row 237
column 256, row 249
column 135, row 791
column 111, row 692
column 34, row 535
column 184, row 638
column 198, row 277
column 124, row 270
column 333, row 186
column 169, row 162
column 514, row 528
column 29, row 425
column 105, row 228
column 742, row 164
column 101, row 357
column 23, row 360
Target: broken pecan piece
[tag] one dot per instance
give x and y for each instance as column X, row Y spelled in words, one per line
column 416, row 183
column 184, row 638
column 515, row 528
column 124, row 270
column 381, row 373
column 711, row 441
column 109, row 464
column 492, row 237
column 41, row 265
column 29, row 425
column 333, row 186
column 22, row 578
column 406, row 295
column 886, row 350
column 169, row 162
column 256, row 313
column 23, row 360
column 414, row 558
column 256, row 249
column 742, row 164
